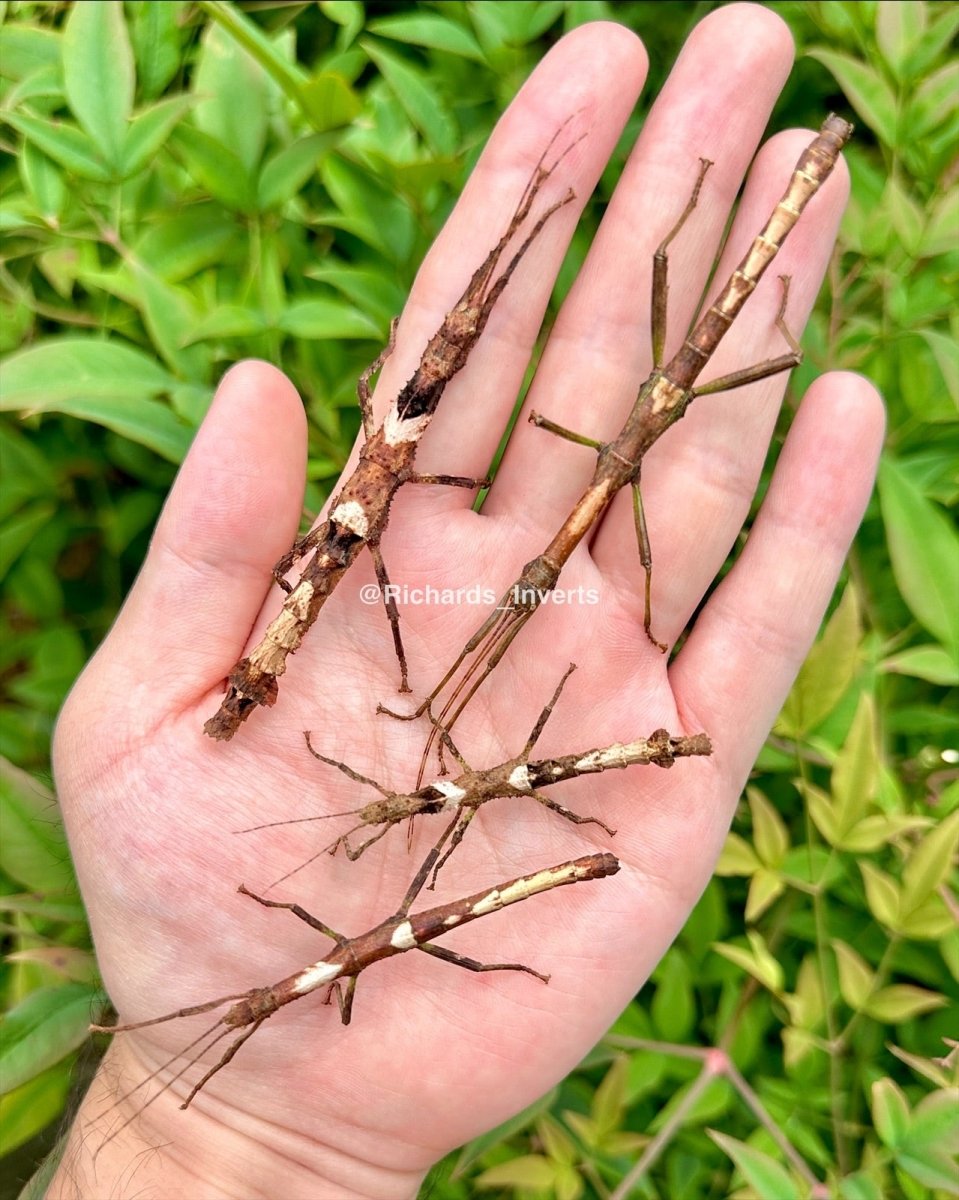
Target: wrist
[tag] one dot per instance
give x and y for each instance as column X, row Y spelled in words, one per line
column 213, row 1151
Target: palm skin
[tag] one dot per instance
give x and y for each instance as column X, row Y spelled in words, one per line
column 436, row 1055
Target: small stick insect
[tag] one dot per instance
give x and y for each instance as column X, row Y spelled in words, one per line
column 518, row 777
column 661, row 402
column 360, row 512
column 397, row 934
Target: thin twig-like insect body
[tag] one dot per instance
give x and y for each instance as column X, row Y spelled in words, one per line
column 661, row 402
column 517, row 777
column 359, row 514
column 401, row 932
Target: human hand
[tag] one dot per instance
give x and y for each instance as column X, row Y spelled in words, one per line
column 434, row 1056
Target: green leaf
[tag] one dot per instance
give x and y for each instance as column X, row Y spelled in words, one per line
column 289, row 169
column 154, row 32
column 898, row 28
column 327, row 319
column 44, row 181
column 609, row 1101
column 828, row 670
column 18, row 532
column 347, row 13
column 882, row 895
column 764, row 888
column 737, row 857
column 33, row 850
column 856, row 979
column 105, row 382
column 230, row 90
column 528, row 1171
column 868, row 93
column 148, row 131
column 890, row 1112
column 859, row 1186
column 171, row 315
column 47, row 908
column 935, row 1122
column 180, row 244
column 932, row 1169
column 228, row 321
column 935, row 101
column 328, row 101
column 25, row 1111
column 764, row 1175
column 215, row 167
column 939, row 236
column 431, row 30
column 673, row 1009
column 756, row 961
column 419, row 100
column 42, row 1029
column 901, row 1002
column 925, row 554
column 64, row 143
column 943, row 350
column 27, row 48
column 479, row 1145
column 99, row 74
column 932, row 663
column 770, row 836
column 855, row 774
column 930, row 863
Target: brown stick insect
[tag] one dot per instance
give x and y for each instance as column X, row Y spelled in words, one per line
column 517, row 778
column 661, row 401
column 360, row 512
column 398, row 933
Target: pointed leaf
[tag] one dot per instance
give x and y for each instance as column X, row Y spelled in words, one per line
column 215, row 167
column 931, row 1168
column 882, row 895
column 98, row 73
column 855, row 775
column 737, row 857
column 428, row 29
column 901, row 1002
column 64, row 143
column 898, row 28
column 105, row 382
column 289, row 169
column 528, row 1171
column 27, row 1109
column 925, row 554
column 943, row 351
column 230, row 89
column 828, row 670
column 935, row 1122
column 322, row 318
column 765, row 1176
column 769, row 833
column 929, row 864
column 42, row 1029
column 228, row 321
column 33, row 849
column 932, row 663
column 148, row 131
column 154, row 32
column 890, row 1112
column 868, row 93
column 423, row 107
column 856, row 978
column 764, row 888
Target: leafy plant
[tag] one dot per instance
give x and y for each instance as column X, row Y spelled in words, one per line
column 185, row 184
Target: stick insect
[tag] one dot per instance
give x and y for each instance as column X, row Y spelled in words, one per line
column 662, row 400
column 360, row 511
column 397, row 934
column 517, row 777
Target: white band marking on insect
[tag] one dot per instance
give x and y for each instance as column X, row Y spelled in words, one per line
column 315, row 976
column 396, row 430
column 519, row 778
column 351, row 516
column 402, row 937
column 454, row 794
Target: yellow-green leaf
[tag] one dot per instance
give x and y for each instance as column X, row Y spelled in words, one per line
column 770, row 836
column 882, row 895
column 737, row 857
column 928, row 865
column 855, row 774
column 99, row 74
column 764, row 888
column 856, row 978
column 901, row 1002
column 828, row 670
column 867, row 91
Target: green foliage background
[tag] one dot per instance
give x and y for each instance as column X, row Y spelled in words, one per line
column 185, row 184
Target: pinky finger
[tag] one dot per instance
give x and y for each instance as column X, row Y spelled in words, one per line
column 746, row 648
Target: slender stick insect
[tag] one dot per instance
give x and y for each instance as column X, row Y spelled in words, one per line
column 661, row 402
column 360, row 512
column 397, row 934
column 518, row 777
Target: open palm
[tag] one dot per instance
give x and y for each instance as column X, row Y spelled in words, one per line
column 436, row 1055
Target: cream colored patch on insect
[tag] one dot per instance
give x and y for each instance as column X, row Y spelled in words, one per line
column 609, row 756
column 403, row 938
column 665, row 394
column 396, row 431
column 519, row 778
column 351, row 516
column 316, row 976
column 455, row 795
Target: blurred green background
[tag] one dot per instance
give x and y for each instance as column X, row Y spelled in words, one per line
column 185, row 184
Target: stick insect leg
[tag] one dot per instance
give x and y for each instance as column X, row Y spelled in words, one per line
column 545, row 714
column 470, row 964
column 392, row 612
column 463, row 481
column 344, row 998
column 227, row 1055
column 295, row 909
column 568, row 813
column 646, row 560
column 462, row 824
column 423, row 873
column 341, row 766
column 302, row 546
column 363, row 393
column 570, row 435
column 763, row 370
column 447, row 741
column 660, row 269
